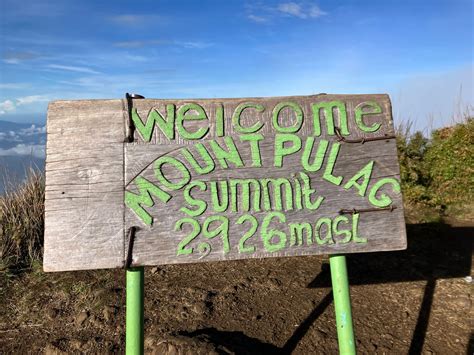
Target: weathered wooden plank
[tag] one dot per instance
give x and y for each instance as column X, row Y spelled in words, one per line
column 155, row 243
column 159, row 243
column 92, row 173
column 84, row 185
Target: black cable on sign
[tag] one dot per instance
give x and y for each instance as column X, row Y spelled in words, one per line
column 354, row 211
column 131, row 240
column 128, row 139
column 130, row 125
column 340, row 138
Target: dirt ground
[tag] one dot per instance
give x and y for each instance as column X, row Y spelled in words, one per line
column 414, row 301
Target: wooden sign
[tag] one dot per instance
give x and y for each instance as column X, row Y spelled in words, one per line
column 221, row 179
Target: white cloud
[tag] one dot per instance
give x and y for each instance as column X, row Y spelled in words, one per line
column 135, row 20
column 135, row 58
column 31, row 135
column 27, row 100
column 155, row 42
column 139, row 43
column 73, row 68
column 257, row 19
column 32, row 130
column 315, row 11
column 197, row 45
column 44, row 8
column 14, row 86
column 6, row 106
column 128, row 19
column 17, row 57
column 300, row 10
column 10, row 106
column 291, row 8
column 34, row 150
column 260, row 13
column 12, row 61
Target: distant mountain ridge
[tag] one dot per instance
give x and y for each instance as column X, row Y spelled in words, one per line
column 7, row 125
column 25, row 118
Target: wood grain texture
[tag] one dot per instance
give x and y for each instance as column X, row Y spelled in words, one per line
column 157, row 244
column 89, row 167
column 84, row 185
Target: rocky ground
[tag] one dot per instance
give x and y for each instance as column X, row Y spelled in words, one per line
column 414, row 301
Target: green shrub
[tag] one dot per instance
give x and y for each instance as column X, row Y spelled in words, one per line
column 413, row 173
column 451, row 163
column 438, row 172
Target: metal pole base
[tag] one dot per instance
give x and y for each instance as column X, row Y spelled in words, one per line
column 342, row 304
column 134, row 312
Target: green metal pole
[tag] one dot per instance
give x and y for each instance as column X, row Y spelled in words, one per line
column 134, row 312
column 342, row 304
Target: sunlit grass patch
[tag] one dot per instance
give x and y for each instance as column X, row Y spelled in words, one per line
column 22, row 224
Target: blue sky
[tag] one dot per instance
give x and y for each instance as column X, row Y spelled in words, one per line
column 420, row 52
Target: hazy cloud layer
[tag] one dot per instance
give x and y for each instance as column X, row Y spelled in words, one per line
column 8, row 106
column 12, row 57
column 136, row 20
column 33, row 150
column 261, row 13
column 14, row 86
column 32, row 99
column 139, row 43
column 22, row 140
column 301, row 10
column 256, row 18
column 157, row 42
column 433, row 100
column 73, row 68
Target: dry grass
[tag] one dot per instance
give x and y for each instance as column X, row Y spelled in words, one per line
column 22, row 224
